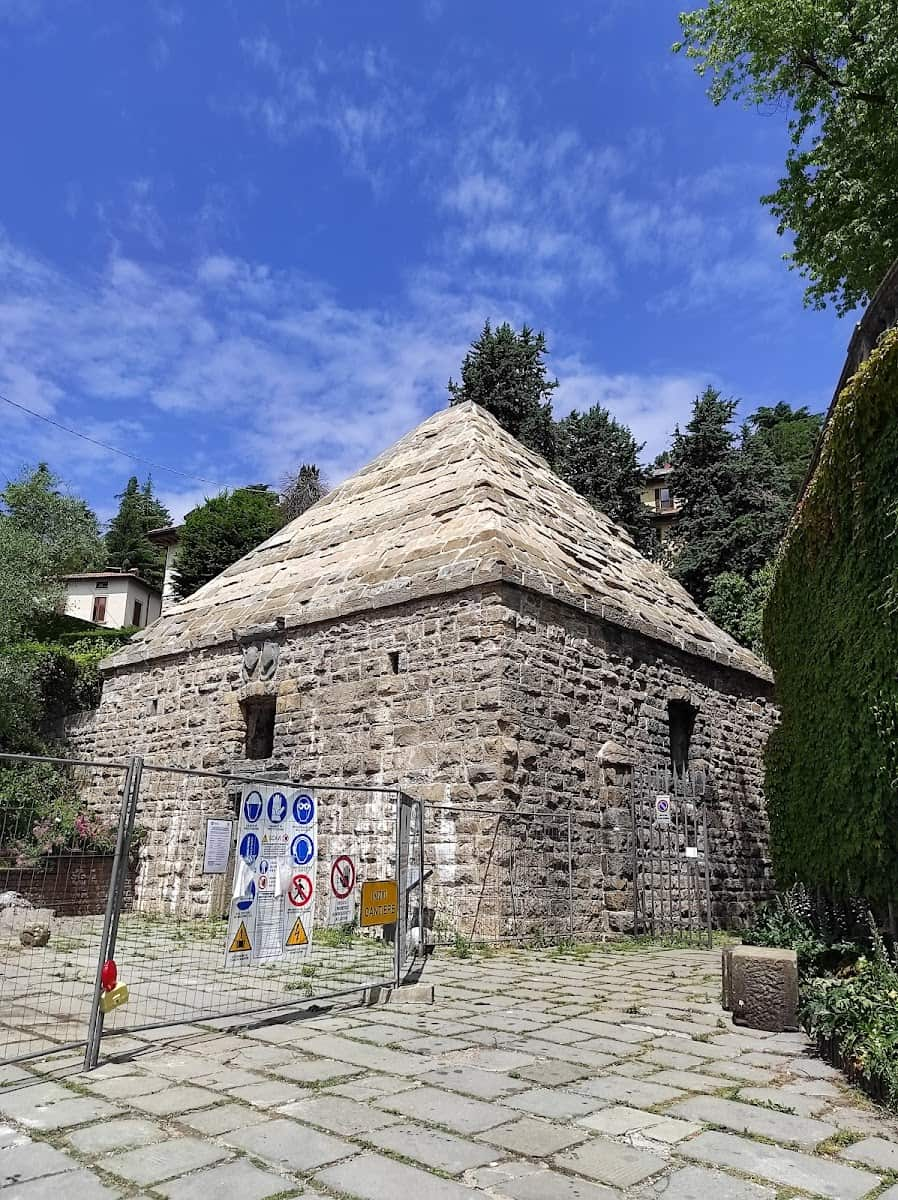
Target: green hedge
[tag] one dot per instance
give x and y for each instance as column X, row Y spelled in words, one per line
column 831, row 636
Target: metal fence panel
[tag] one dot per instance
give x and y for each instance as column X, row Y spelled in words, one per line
column 172, row 940
column 499, row 876
column 56, row 859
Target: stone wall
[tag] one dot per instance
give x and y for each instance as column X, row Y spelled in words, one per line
column 492, row 698
column 573, row 684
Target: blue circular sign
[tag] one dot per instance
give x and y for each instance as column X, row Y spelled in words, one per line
column 303, row 809
column 252, row 807
column 277, row 807
column 249, row 848
column 263, row 866
column 245, row 902
column 303, row 849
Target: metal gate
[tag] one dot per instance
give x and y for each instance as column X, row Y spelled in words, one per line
column 126, row 879
column 671, row 855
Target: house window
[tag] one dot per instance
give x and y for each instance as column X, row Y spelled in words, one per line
column 99, row 613
column 663, row 501
column 681, row 722
column 258, row 715
column 138, row 612
column 102, row 584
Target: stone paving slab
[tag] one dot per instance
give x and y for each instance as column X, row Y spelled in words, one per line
column 287, row 1145
column 458, row 1113
column 611, row 1162
column 550, row 1185
column 163, row 1160
column 108, row 1136
column 77, row 1184
column 374, row 1177
column 698, row 1183
column 337, row 1114
column 533, row 1138
column 873, row 1152
column 433, row 1148
column 790, row 1168
column 474, row 1081
column 753, row 1119
column 238, row 1180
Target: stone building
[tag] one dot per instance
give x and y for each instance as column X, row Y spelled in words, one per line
column 455, row 619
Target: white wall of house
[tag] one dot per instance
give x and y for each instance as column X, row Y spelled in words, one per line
column 168, row 583
column 85, row 599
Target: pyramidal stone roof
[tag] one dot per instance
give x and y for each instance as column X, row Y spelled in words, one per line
column 456, row 502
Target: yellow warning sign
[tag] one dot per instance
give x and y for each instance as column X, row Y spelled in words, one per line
column 241, row 942
column 297, row 934
column 380, row 902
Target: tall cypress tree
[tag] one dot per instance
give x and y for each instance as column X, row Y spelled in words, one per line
column 599, row 458
column 127, row 546
column 504, row 371
column 734, row 492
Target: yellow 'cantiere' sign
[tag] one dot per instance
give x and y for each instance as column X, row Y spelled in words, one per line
column 380, row 902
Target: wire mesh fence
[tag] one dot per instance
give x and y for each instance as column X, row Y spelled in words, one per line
column 56, row 866
column 164, row 904
column 499, row 876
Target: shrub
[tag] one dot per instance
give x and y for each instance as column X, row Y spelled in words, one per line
column 40, row 816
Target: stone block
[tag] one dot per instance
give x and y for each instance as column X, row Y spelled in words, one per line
column 764, row 988
column 412, row 993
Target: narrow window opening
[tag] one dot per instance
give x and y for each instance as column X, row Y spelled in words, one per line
column 103, row 583
column 258, row 714
column 681, row 723
column 393, row 656
column 154, row 706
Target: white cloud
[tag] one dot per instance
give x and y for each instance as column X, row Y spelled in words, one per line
column 651, row 405
column 236, row 373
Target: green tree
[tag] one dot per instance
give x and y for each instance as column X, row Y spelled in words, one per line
column 63, row 524
column 599, row 458
column 791, row 434
column 734, row 495
column 222, row 530
column 833, row 66
column 300, row 491
column 736, row 604
column 44, row 533
column 127, row 546
column 504, row 372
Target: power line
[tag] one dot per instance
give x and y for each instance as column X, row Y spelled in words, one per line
column 106, row 446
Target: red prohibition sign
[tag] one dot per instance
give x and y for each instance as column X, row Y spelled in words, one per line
column 342, row 876
column 300, row 891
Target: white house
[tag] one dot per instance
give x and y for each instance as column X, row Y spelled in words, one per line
column 113, row 598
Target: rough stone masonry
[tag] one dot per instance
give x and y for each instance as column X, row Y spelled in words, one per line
column 456, row 620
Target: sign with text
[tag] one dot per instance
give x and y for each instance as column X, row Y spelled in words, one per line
column 218, row 847
column 380, row 902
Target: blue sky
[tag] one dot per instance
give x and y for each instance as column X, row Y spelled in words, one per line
column 235, row 237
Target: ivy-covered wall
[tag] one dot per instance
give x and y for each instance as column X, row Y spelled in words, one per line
column 831, row 636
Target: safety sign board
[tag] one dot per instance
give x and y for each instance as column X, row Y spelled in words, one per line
column 300, row 891
column 274, row 875
column 241, row 943
column 662, row 810
column 380, row 902
column 341, row 905
column 297, row 935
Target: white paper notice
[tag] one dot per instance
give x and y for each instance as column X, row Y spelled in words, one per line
column 218, row 847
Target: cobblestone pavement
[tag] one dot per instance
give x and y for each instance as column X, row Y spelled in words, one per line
column 535, row 1076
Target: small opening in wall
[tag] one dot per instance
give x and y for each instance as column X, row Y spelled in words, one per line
column 258, row 713
column 681, row 723
column 393, row 656
column 154, row 706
